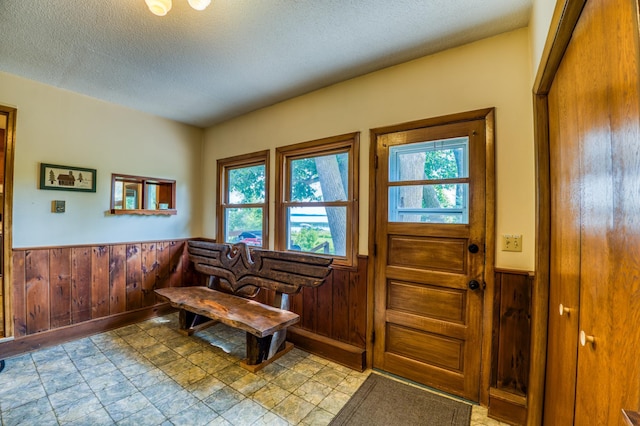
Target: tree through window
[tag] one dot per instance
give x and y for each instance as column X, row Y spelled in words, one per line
column 429, row 182
column 317, row 185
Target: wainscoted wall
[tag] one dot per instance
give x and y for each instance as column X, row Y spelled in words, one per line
column 64, row 292
column 510, row 350
column 61, row 293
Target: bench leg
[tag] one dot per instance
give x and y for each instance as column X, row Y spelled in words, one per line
column 190, row 323
column 257, row 352
column 257, row 348
column 281, row 301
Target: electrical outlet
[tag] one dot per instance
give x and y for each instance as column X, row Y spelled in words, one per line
column 511, row 242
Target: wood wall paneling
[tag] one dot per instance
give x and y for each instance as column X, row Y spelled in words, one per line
column 60, row 286
column 19, row 295
column 80, row 284
column 37, row 290
column 358, row 305
column 100, row 301
column 340, row 320
column 117, row 279
column 511, row 342
column 163, row 270
column 176, row 252
column 309, row 318
column 134, row 277
column 149, row 274
column 512, row 355
column 333, row 316
column 324, row 308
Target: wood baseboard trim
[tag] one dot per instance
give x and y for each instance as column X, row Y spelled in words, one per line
column 76, row 331
column 507, row 407
column 339, row 352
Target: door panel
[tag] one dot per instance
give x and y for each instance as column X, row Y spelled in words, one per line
column 430, row 192
column 425, row 347
column 429, row 301
column 427, row 253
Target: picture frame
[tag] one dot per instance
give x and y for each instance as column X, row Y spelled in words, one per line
column 67, row 178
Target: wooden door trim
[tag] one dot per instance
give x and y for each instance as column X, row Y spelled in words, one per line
column 7, row 219
column 564, row 20
column 488, row 115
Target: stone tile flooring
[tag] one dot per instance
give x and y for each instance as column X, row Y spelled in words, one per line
column 149, row 374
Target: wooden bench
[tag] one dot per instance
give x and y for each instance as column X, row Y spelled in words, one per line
column 236, row 274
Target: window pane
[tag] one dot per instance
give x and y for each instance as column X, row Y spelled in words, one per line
column 320, row 230
column 243, row 225
column 444, row 159
column 247, row 185
column 323, row 178
column 429, row 203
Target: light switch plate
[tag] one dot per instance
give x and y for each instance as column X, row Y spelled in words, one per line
column 58, row 206
column 511, row 242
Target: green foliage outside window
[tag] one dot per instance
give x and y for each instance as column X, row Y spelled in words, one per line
column 443, row 164
column 247, row 184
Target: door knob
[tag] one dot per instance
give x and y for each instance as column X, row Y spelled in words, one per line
column 474, row 284
column 564, row 310
column 584, row 338
column 473, row 248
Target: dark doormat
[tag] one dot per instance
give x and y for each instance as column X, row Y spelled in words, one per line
column 383, row 401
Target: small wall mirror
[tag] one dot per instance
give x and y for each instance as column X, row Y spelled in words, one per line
column 142, row 195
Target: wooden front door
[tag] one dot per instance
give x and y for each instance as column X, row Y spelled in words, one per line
column 430, row 251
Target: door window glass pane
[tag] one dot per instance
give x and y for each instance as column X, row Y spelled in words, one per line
column 435, row 160
column 446, row 203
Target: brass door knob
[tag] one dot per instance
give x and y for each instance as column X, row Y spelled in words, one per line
column 584, row 338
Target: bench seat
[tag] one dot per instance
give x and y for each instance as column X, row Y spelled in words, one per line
column 253, row 317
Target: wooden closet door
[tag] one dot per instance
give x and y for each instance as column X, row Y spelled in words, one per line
column 594, row 118
column 608, row 367
column 564, row 291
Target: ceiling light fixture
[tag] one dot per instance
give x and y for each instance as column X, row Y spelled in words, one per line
column 199, row 4
column 162, row 7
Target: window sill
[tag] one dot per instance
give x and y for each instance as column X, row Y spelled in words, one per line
column 145, row 212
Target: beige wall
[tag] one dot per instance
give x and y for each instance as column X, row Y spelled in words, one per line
column 61, row 127
column 494, row 72
column 541, row 15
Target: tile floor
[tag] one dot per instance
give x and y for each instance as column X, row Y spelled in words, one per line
column 149, row 374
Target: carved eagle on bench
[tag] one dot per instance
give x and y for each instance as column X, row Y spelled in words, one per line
column 243, row 271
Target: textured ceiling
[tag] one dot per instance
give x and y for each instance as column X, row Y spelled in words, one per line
column 202, row 68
